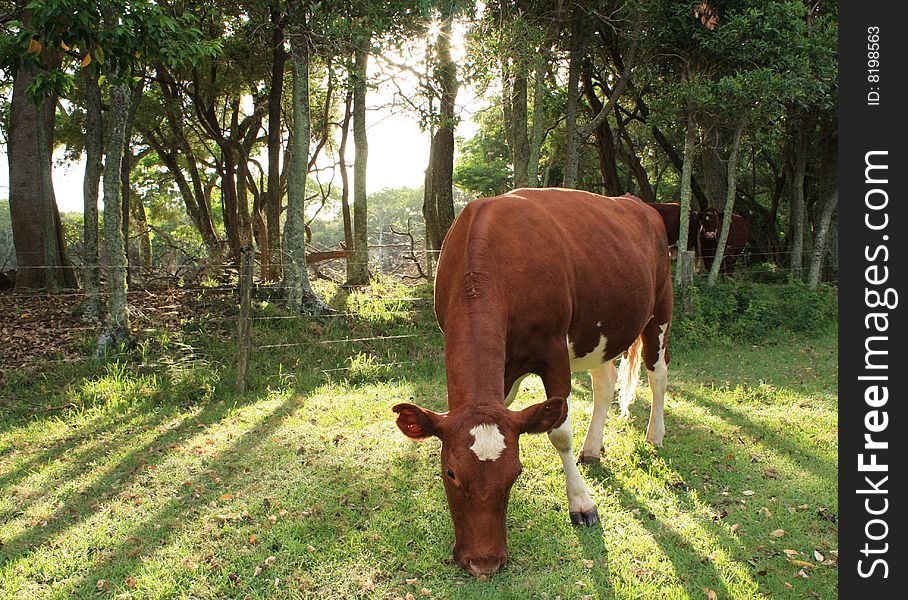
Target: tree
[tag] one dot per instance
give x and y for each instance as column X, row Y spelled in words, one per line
column 300, row 296
column 438, row 203
column 40, row 252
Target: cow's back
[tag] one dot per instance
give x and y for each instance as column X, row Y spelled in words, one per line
column 551, row 263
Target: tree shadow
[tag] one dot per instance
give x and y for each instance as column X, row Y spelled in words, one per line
column 78, row 507
column 804, row 460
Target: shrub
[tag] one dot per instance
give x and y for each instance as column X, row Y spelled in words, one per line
column 752, row 312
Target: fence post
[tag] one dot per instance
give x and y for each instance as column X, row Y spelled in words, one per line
column 686, row 266
column 243, row 323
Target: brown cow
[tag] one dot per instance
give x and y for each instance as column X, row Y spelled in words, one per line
column 671, row 216
column 710, row 230
column 544, row 281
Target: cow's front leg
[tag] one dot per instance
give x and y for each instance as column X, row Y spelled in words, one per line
column 580, row 505
column 604, row 378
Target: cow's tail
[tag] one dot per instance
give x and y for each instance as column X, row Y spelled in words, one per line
column 628, row 376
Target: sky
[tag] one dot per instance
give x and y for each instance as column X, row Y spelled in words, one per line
column 398, row 149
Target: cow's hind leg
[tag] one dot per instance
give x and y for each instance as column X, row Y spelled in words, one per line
column 656, row 358
column 604, row 378
column 557, row 380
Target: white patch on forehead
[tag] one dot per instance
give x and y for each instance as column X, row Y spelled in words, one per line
column 588, row 361
column 489, row 442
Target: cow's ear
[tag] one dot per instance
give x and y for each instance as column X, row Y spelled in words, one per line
column 543, row 417
column 417, row 422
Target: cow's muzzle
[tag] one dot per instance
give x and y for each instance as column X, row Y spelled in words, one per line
column 488, row 565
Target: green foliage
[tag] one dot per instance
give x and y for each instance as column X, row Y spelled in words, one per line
column 483, row 163
column 753, row 313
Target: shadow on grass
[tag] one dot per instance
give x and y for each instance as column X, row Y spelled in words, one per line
column 107, row 484
column 784, row 444
column 156, row 530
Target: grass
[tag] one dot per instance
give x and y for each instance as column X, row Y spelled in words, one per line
column 162, row 482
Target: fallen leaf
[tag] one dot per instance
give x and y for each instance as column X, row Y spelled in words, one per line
column 710, row 594
column 411, row 581
column 102, row 584
column 269, row 561
column 131, row 582
column 748, row 492
column 310, row 547
column 226, row 497
column 818, row 556
column 803, row 563
column 588, row 563
column 252, row 538
column 778, row 533
column 771, row 473
column 425, row 591
column 735, row 527
column 257, row 571
column 765, row 512
column 789, row 552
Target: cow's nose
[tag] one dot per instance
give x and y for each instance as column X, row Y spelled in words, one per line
column 488, row 565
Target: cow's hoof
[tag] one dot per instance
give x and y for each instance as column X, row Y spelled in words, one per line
column 588, row 459
column 585, row 518
column 655, row 440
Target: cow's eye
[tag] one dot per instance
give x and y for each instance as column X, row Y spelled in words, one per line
column 451, row 474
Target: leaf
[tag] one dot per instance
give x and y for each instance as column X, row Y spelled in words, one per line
column 710, row 594
column 771, row 473
column 778, row 533
column 35, row 47
column 64, row 47
column 99, row 54
column 86, row 61
column 802, row 563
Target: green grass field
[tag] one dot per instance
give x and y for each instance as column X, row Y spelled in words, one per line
column 163, row 483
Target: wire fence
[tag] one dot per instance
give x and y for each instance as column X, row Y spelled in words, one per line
column 166, row 306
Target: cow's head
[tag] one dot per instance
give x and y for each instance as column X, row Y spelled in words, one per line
column 710, row 222
column 480, row 461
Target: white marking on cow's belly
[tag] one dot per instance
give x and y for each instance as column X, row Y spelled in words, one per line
column 489, row 443
column 594, row 358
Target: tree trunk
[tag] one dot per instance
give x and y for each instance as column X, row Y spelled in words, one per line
column 438, row 206
column 538, row 120
column 819, row 247
column 731, row 189
column 572, row 142
column 797, row 167
column 40, row 253
column 519, row 142
column 300, row 296
column 345, row 178
column 715, row 171
column 126, row 165
column 94, row 155
column 117, row 326
column 359, row 262
column 690, row 140
column 143, row 231
column 270, row 247
column 605, row 141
